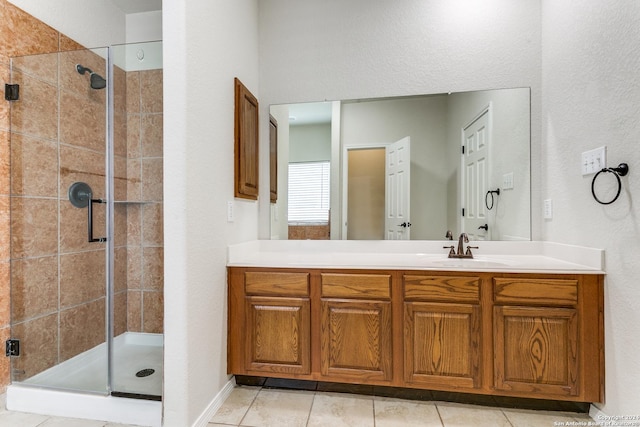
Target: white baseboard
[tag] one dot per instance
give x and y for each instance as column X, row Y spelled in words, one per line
column 215, row 404
column 596, row 414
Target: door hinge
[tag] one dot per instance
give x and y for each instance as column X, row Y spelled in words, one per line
column 11, row 92
column 463, row 149
column 462, row 211
column 12, row 347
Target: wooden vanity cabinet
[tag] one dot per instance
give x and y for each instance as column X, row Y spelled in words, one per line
column 329, row 326
column 519, row 335
column 548, row 336
column 271, row 321
column 355, row 327
column 442, row 331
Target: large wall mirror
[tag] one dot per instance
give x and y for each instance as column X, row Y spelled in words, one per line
column 405, row 167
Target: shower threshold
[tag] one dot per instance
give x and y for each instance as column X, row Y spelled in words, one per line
column 73, row 388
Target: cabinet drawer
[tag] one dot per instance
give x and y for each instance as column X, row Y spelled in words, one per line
column 368, row 286
column 441, row 288
column 555, row 292
column 276, row 284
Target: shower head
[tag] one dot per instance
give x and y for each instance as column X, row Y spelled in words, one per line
column 97, row 81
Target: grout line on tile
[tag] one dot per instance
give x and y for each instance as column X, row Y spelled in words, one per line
column 507, row 417
column 313, row 401
column 250, row 405
column 374, row 411
column 439, row 415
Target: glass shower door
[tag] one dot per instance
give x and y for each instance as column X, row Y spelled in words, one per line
column 59, row 293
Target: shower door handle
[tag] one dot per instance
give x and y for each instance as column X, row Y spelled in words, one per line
column 81, row 196
column 90, row 221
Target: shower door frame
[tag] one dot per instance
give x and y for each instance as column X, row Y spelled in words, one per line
column 110, row 228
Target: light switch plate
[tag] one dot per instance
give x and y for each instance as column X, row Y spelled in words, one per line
column 594, row 160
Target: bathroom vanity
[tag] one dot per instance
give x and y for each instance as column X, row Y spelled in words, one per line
column 528, row 324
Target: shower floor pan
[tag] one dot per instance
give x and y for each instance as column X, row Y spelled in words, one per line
column 134, row 353
column 71, row 389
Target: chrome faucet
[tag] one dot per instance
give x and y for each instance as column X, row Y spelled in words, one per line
column 461, row 253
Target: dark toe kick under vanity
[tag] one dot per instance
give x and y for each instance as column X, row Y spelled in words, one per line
column 506, row 334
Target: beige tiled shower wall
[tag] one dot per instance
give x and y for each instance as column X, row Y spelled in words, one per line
column 145, row 252
column 58, row 138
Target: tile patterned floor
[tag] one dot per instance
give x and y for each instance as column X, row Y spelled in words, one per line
column 263, row 407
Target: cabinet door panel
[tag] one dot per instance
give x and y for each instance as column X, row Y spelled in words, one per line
column 536, row 350
column 277, row 337
column 442, row 344
column 356, row 339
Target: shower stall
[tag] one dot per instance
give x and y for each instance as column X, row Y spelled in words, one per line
column 87, row 234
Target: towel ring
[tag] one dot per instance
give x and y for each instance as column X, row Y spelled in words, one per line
column 621, row 170
column 486, row 198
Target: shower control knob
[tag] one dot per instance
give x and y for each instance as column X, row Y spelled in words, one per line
column 80, row 194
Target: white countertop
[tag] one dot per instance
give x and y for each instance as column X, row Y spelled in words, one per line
column 512, row 257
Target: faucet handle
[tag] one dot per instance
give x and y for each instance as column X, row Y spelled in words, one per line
column 452, row 250
column 469, row 250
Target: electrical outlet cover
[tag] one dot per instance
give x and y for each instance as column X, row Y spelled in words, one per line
column 230, row 213
column 507, row 181
column 548, row 209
